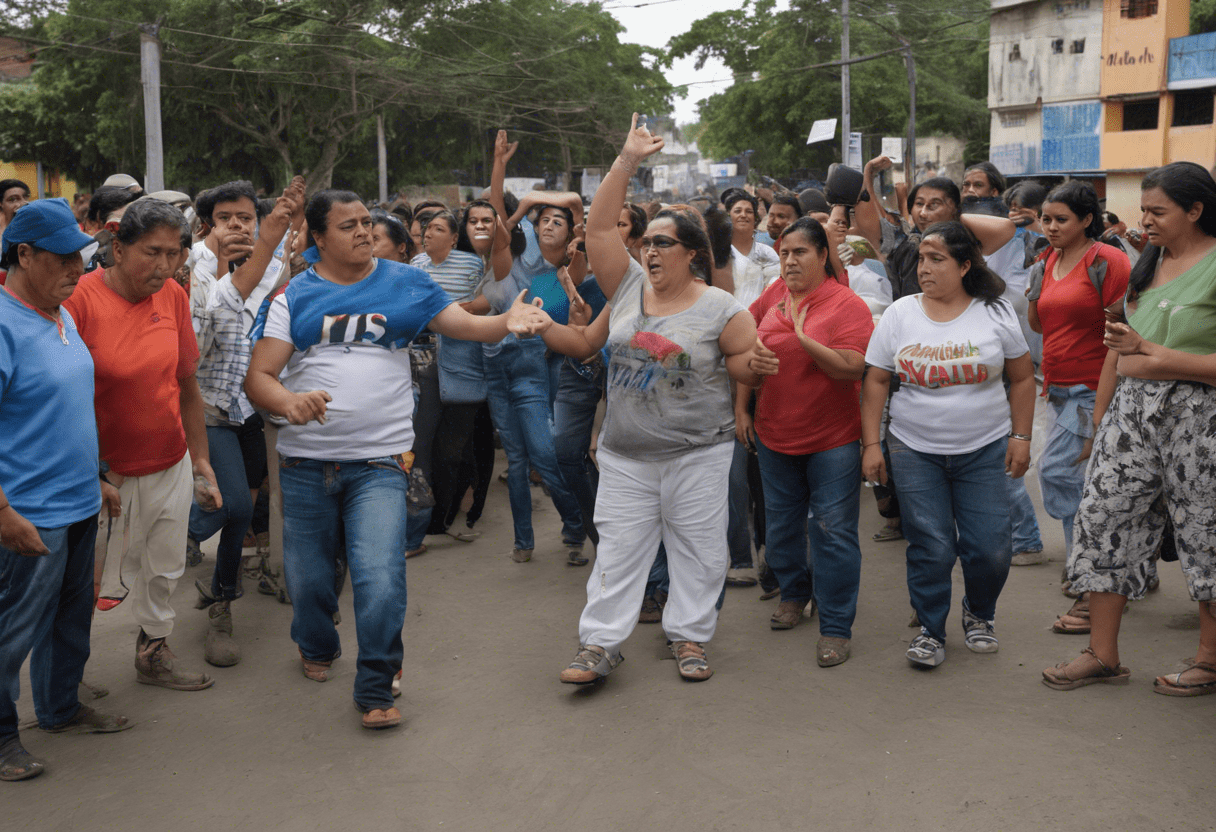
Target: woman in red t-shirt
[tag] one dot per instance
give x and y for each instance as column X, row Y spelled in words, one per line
column 812, row 337
column 1069, row 292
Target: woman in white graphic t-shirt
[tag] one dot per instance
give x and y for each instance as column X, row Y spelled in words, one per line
column 954, row 435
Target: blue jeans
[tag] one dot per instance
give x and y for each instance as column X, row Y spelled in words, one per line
column 952, row 507
column 517, row 380
column 573, row 417
column 1070, row 414
column 1025, row 525
column 828, row 484
column 232, row 519
column 366, row 500
column 46, row 606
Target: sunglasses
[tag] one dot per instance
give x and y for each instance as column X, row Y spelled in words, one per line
column 660, row 242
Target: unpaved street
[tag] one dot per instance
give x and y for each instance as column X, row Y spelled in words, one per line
column 493, row 741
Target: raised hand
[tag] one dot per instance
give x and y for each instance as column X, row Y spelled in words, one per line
column 640, row 143
column 504, row 150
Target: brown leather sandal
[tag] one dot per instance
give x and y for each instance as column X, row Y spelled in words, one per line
column 1172, row 685
column 1076, row 620
column 1059, row 677
column 317, row 671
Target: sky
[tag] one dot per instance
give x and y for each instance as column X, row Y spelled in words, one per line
column 654, row 22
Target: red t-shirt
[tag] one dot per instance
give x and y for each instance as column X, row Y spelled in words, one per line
column 801, row 410
column 1073, row 320
column 141, row 352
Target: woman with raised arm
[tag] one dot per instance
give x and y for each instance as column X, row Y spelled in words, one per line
column 339, row 330
column 1156, row 439
column 665, row 446
column 520, row 378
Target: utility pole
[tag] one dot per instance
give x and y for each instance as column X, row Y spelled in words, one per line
column 149, row 76
column 846, row 125
column 910, row 153
column 382, row 153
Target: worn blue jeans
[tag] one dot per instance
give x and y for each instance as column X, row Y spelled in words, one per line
column 517, row 380
column 738, row 525
column 578, row 396
column 232, row 519
column 1024, row 523
column 46, row 607
column 828, row 484
column 953, row 507
column 367, row 499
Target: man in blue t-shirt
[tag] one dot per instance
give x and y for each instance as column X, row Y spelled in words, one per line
column 50, row 490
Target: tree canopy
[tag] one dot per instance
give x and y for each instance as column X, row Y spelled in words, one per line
column 781, row 86
column 258, row 89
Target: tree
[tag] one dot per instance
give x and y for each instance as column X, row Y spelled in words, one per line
column 785, row 78
column 262, row 89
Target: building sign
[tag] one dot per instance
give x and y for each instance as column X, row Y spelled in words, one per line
column 1127, row 58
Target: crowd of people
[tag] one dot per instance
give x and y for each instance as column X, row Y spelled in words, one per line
column 177, row 368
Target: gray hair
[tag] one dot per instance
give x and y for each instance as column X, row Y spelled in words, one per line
column 146, row 215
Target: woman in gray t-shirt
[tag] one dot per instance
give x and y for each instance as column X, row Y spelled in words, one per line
column 665, row 447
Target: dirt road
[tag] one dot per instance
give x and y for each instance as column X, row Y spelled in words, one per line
column 493, row 741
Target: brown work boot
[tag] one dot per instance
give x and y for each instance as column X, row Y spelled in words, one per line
column 155, row 664
column 787, row 615
column 219, row 648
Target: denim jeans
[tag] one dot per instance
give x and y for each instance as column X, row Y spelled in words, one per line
column 517, row 379
column 1069, row 423
column 232, row 519
column 46, row 607
column 828, row 484
column 366, row 501
column 573, row 417
column 954, row 506
column 1024, row 523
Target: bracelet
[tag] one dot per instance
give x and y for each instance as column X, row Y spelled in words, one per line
column 870, row 444
column 1025, row 437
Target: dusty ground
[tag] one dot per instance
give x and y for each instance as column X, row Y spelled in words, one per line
column 492, row 740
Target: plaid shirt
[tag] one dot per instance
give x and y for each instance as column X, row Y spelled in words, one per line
column 224, row 344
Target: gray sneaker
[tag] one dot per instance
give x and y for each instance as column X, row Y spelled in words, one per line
column 978, row 634
column 590, row 664
column 926, row 650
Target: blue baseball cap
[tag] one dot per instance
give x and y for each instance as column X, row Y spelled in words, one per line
column 47, row 224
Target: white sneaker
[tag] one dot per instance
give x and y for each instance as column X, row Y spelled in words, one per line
column 926, row 650
column 979, row 635
column 397, row 685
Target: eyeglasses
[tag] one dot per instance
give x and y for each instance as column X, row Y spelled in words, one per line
column 659, row 242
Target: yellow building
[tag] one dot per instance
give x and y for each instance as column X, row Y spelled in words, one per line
column 15, row 65
column 1157, row 95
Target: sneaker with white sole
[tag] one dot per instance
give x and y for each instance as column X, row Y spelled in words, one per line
column 397, row 684
column 926, row 650
column 590, row 664
column 979, row 635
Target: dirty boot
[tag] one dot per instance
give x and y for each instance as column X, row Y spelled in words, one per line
column 155, row 664
column 219, row 648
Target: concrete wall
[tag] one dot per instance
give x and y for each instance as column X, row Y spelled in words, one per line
column 1135, row 50
column 1023, row 66
column 1014, row 141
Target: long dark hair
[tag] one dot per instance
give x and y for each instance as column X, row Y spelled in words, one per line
column 395, row 229
column 1185, row 183
column 811, row 228
column 518, row 241
column 1081, row 199
column 995, row 180
column 692, row 234
column 979, row 281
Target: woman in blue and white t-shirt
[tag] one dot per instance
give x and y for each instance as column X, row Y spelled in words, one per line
column 954, row 435
column 339, row 335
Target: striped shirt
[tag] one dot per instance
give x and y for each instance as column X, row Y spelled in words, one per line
column 459, row 274
column 222, row 367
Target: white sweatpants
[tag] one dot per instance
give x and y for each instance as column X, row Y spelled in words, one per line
column 146, row 544
column 680, row 502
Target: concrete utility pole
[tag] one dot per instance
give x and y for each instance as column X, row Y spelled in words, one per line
column 149, row 76
column 382, row 153
column 910, row 153
column 846, row 125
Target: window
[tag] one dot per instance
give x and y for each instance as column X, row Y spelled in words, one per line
column 1015, row 54
column 1057, row 46
column 1137, row 8
column 1078, row 47
column 1193, row 107
column 1140, row 115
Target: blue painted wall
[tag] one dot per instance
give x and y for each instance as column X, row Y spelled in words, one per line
column 1071, row 136
column 1193, row 58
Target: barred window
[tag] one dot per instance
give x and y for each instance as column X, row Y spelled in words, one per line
column 1137, row 8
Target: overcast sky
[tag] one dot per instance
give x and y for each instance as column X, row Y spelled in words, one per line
column 654, row 22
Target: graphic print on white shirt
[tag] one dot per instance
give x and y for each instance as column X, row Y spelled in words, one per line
column 941, row 365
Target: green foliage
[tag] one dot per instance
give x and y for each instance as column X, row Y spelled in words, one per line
column 257, row 90
column 1203, row 16
column 780, row 89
